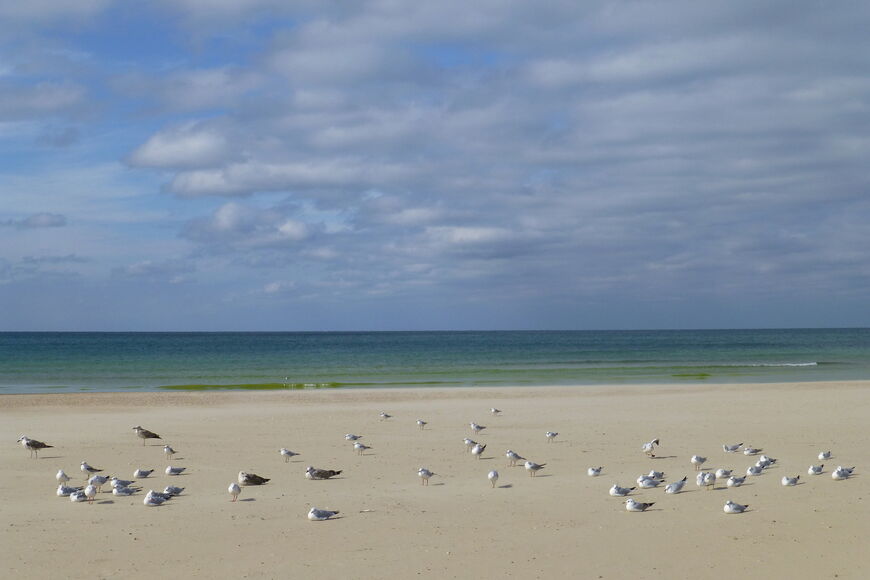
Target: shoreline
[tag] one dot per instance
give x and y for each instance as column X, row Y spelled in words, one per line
column 561, row 522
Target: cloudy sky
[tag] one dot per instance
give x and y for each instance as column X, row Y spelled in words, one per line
column 317, row 165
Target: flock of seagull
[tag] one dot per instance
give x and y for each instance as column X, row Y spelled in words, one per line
column 705, row 478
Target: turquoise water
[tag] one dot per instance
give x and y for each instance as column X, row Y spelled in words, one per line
column 70, row 362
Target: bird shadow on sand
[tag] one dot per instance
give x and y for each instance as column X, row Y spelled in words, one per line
column 249, row 499
column 109, row 501
column 51, row 457
column 437, row 484
column 542, row 475
column 506, row 486
column 485, row 458
column 664, row 457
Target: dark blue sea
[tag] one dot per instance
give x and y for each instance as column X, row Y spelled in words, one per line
column 39, row 362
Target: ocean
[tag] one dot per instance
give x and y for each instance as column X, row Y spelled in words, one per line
column 45, row 362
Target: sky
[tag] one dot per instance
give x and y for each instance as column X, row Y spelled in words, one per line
column 396, row 165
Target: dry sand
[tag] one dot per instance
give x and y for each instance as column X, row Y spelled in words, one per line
column 561, row 523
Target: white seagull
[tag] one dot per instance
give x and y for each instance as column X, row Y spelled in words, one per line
column 319, row 515
column 751, row 451
column 153, row 500
column 676, row 487
column 754, row 470
column 91, row 493
column 422, row 424
column 697, row 461
column 513, row 457
column 617, row 491
column 115, row 482
column 478, row 449
column 647, row 482
column 786, row 480
column 735, row 481
column 352, row 437
column 636, row 506
column 98, row 481
column 384, row 416
column 495, row 411
column 476, row 428
column 234, row 489
column 706, row 479
column 360, row 447
column 734, row 508
column 824, row 455
column 656, row 474
column 78, row 496
column 173, row 470
column 722, row 473
column 168, row 451
column 142, row 473
column 172, row 490
column 841, row 473
column 469, row 443
column 287, row 454
column 88, row 470
column 731, row 448
column 594, row 471
column 61, row 476
column 123, row 491
column 493, row 477
column 533, row 468
column 815, row 469
column 64, row 491
column 424, row 475
column 551, row 436
column 649, row 447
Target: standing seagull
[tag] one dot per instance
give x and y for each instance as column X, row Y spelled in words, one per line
column 144, row 434
column 88, row 470
column 234, row 490
column 533, row 468
column 469, row 444
column 493, row 477
column 649, row 447
column 476, row 428
column 91, row 492
column 478, row 449
column 698, row 461
column 360, row 447
column 169, row 452
column 551, row 435
column 33, row 445
column 384, row 416
column 251, row 479
column 287, row 454
column 422, row 424
column 495, row 412
column 61, row 476
column 513, row 457
column 424, row 475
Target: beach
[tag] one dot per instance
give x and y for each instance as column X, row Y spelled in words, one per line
column 561, row 522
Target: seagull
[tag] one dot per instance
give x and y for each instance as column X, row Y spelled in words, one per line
column 751, row 451
column 123, row 490
column 91, row 492
column 477, row 428
column 88, row 470
column 422, row 424
column 495, row 411
column 61, row 476
column 174, row 470
column 617, row 491
column 735, row 481
column 478, row 449
column 360, row 447
column 766, row 461
column 64, row 491
column 384, row 416
column 824, row 455
column 513, row 457
column 469, row 443
column 841, row 473
column 78, row 496
column 141, row 473
column 234, row 490
column 656, row 474
column 815, row 469
column 251, row 479
column 352, row 437
column 551, row 435
column 33, row 445
column 153, row 500
column 786, row 480
column 533, row 468
column 168, row 451
column 734, row 508
column 649, row 447
column 98, row 481
column 172, row 490
column 319, row 515
column 493, row 477
column 115, row 482
column 723, row 473
column 313, row 473
column 754, row 470
column 731, row 448
column 647, row 482
column 698, row 461
column 287, row 454
column 425, row 474
column 144, row 434
column 636, row 506
column 594, row 471
column 706, row 479
column 677, row 486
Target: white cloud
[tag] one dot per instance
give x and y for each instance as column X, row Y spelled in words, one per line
column 188, row 145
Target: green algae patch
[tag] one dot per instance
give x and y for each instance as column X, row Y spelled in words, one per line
column 692, row 376
column 249, row 387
